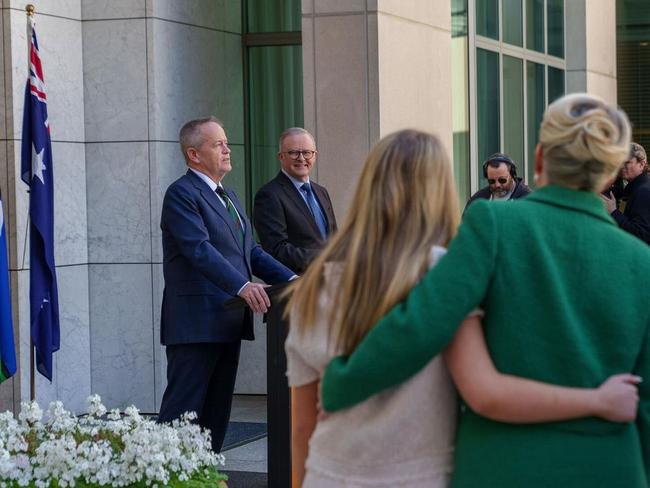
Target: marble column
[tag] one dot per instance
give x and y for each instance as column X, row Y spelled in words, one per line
column 195, row 70
column 591, row 47
column 372, row 67
column 149, row 66
column 119, row 207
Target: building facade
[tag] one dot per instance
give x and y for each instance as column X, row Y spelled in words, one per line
column 122, row 77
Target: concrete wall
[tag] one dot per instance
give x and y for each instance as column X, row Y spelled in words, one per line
column 60, row 23
column 591, row 47
column 372, row 67
column 148, row 67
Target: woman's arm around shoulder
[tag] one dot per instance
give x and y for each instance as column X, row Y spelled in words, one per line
column 420, row 327
column 508, row 398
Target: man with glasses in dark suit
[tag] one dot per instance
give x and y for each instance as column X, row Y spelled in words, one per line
column 293, row 215
column 503, row 183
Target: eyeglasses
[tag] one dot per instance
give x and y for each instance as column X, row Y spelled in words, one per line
column 305, row 154
column 502, row 180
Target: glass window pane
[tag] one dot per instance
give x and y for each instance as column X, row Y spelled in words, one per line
column 460, row 98
column 535, row 25
column 487, row 18
column 513, row 110
column 555, row 24
column 273, row 16
column 487, row 97
column 275, row 103
column 633, row 66
column 513, row 30
column 535, row 99
column 555, row 84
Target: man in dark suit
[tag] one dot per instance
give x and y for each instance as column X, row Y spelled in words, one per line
column 209, row 256
column 293, row 216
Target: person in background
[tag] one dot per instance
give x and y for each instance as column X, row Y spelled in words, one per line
column 293, row 215
column 500, row 171
column 633, row 215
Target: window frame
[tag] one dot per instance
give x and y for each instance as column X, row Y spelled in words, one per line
column 252, row 40
column 475, row 42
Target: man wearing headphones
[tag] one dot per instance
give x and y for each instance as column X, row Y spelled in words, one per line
column 503, row 183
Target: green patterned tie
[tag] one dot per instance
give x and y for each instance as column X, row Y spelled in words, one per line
column 232, row 211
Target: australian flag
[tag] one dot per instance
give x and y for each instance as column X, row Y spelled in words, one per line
column 37, row 173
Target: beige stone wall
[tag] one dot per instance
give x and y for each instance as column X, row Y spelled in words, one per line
column 591, row 47
column 372, row 67
column 414, row 54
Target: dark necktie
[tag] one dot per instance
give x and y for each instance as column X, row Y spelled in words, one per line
column 232, row 211
column 316, row 211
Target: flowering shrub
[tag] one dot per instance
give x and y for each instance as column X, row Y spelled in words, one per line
column 100, row 449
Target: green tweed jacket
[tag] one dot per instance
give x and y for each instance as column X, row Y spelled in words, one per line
column 566, row 301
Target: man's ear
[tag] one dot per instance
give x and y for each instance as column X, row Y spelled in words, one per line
column 192, row 155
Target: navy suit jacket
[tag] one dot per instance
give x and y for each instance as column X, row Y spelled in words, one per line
column 204, row 264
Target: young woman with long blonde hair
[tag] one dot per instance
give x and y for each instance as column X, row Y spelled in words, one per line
column 403, row 214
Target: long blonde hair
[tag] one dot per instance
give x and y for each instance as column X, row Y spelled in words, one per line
column 584, row 141
column 405, row 203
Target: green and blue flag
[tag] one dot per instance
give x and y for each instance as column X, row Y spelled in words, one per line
column 7, row 348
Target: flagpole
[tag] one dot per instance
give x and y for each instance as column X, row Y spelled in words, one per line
column 29, row 9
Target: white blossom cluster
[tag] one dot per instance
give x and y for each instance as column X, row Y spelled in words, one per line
column 115, row 450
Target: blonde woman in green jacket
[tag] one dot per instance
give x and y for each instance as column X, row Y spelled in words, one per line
column 566, row 300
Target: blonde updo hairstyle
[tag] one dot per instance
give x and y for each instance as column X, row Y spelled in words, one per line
column 584, row 141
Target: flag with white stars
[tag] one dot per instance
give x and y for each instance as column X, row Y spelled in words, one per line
column 36, row 171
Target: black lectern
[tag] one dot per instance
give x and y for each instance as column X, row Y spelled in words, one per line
column 278, row 394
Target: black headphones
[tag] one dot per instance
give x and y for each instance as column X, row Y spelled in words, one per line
column 496, row 159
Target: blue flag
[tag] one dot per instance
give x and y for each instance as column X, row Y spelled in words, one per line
column 7, row 348
column 37, row 173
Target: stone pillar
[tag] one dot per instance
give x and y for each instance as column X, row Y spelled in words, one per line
column 119, row 202
column 372, row 67
column 149, row 67
column 591, row 47
column 194, row 70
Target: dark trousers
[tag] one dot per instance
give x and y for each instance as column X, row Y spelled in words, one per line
column 201, row 379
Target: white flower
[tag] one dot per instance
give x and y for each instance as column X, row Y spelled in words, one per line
column 114, row 414
column 30, row 413
column 114, row 452
column 95, row 406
